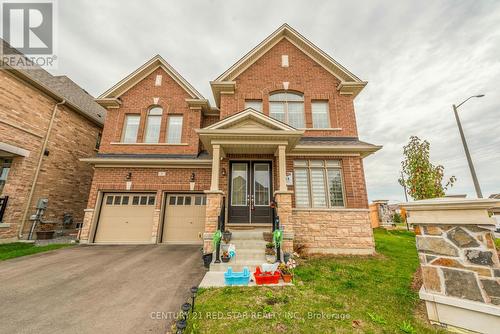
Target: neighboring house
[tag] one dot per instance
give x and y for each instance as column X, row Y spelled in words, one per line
column 284, row 128
column 47, row 123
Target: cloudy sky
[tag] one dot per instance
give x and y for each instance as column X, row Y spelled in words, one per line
column 419, row 58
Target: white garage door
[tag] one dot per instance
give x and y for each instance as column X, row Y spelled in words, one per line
column 184, row 218
column 126, row 218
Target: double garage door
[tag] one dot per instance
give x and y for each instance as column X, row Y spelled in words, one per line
column 128, row 218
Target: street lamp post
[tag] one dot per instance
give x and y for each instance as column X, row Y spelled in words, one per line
column 466, row 148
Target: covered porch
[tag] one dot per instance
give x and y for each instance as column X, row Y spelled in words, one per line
column 248, row 153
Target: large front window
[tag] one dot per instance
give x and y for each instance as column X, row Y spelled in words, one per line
column 174, row 131
column 318, row 184
column 287, row 107
column 131, row 128
column 320, row 117
column 153, row 124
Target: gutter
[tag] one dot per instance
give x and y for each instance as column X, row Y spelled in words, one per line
column 38, row 167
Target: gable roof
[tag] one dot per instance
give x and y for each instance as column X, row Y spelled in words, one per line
column 59, row 87
column 350, row 83
column 249, row 120
column 143, row 71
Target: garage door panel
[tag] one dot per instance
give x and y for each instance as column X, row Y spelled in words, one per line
column 126, row 218
column 184, row 220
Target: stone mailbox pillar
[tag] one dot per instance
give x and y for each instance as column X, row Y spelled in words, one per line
column 460, row 266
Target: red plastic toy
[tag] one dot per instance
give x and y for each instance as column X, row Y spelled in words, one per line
column 266, row 277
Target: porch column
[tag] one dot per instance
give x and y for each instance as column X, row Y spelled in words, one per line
column 215, row 168
column 282, row 167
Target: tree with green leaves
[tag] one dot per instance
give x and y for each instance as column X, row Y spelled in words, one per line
column 421, row 178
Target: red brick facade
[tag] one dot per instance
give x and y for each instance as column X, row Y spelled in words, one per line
column 304, row 75
column 257, row 81
column 138, row 100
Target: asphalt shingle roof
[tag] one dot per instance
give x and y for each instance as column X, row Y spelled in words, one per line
column 61, row 86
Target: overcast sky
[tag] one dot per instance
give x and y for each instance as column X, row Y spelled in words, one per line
column 419, row 58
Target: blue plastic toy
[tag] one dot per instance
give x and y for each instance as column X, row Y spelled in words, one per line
column 237, row 278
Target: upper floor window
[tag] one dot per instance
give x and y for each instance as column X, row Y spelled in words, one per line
column 320, row 118
column 318, row 183
column 131, row 128
column 287, row 107
column 153, row 123
column 254, row 104
column 174, row 131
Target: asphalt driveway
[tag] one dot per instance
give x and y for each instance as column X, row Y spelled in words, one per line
column 97, row 289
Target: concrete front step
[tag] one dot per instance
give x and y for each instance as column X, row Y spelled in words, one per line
column 236, row 266
column 247, row 235
column 249, row 244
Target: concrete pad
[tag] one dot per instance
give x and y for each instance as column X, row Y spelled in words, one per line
column 215, row 279
column 98, row 289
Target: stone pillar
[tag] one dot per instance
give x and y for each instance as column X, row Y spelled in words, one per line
column 215, row 168
column 460, row 265
column 87, row 222
column 214, row 204
column 284, row 210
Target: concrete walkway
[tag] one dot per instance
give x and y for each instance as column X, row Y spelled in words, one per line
column 97, row 289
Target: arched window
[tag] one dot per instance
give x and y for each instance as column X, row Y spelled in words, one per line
column 287, row 107
column 153, row 124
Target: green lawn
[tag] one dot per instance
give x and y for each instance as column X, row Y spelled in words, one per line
column 331, row 295
column 16, row 249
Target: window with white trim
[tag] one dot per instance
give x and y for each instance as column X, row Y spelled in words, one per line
column 254, row 104
column 318, row 184
column 320, row 117
column 174, row 131
column 287, row 107
column 131, row 128
column 153, row 124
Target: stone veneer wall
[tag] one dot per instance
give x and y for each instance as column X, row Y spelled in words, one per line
column 459, row 261
column 334, row 231
column 214, row 204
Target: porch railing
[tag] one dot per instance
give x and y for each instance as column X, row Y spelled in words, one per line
column 276, row 226
column 221, row 226
column 3, row 206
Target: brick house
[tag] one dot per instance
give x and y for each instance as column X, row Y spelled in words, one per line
column 283, row 128
column 47, row 123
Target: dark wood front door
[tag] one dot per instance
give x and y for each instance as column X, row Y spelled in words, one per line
column 250, row 190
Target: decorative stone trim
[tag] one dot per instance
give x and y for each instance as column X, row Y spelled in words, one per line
column 4, row 225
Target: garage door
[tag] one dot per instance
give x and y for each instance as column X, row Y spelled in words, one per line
column 184, row 218
column 126, row 218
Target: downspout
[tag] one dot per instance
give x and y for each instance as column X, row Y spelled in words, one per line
column 38, row 167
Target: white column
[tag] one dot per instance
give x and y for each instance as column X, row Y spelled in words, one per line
column 282, row 167
column 215, row 167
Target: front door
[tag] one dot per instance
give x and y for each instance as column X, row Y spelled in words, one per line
column 250, row 192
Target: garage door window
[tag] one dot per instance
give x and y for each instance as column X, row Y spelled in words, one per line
column 187, row 200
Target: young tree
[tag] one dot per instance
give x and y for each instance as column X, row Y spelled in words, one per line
column 420, row 177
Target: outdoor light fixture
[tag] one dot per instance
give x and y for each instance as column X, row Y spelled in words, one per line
column 128, row 176
column 181, row 326
column 223, row 171
column 194, row 290
column 191, row 181
column 185, row 309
